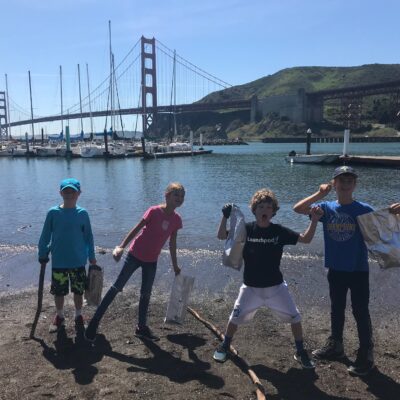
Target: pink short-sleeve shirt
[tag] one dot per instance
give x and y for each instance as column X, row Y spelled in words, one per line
column 159, row 227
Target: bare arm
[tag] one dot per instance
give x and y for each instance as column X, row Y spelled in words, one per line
column 172, row 252
column 118, row 251
column 222, row 232
column 133, row 232
column 308, row 234
column 304, row 206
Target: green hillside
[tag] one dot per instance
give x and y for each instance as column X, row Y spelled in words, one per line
column 289, row 80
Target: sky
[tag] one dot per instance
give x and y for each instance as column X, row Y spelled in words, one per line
column 237, row 41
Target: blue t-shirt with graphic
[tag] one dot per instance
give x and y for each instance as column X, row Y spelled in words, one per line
column 345, row 249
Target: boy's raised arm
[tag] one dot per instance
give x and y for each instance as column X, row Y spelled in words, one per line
column 308, row 234
column 304, row 206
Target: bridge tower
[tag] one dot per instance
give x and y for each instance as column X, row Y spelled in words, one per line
column 3, row 116
column 149, row 85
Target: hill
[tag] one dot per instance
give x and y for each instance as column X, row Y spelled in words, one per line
column 312, row 79
column 378, row 113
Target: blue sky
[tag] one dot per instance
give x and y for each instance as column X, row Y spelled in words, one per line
column 237, row 41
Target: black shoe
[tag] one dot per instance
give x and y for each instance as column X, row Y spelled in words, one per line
column 90, row 332
column 364, row 363
column 144, row 332
column 332, row 350
column 303, row 358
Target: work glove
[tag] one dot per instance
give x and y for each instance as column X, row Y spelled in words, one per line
column 117, row 253
column 226, row 210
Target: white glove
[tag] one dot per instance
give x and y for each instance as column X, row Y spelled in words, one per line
column 117, row 253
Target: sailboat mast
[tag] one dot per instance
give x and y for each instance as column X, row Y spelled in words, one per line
column 90, row 102
column 8, row 112
column 61, row 94
column 80, row 95
column 30, row 93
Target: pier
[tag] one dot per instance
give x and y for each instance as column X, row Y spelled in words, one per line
column 372, row 161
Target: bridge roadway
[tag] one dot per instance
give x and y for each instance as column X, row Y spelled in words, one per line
column 180, row 108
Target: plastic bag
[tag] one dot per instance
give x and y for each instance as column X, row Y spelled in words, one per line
column 94, row 285
column 179, row 298
column 381, row 232
column 234, row 244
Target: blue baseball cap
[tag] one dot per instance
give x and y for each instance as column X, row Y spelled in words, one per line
column 70, row 183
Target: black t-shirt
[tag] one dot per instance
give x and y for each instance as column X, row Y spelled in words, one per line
column 262, row 253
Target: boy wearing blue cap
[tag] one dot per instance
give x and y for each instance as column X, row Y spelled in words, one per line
column 346, row 259
column 67, row 235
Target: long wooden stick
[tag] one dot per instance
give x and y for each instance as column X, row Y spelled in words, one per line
column 260, row 391
column 40, row 299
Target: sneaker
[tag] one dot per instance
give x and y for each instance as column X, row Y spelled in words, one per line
column 363, row 364
column 57, row 324
column 90, row 332
column 79, row 321
column 333, row 350
column 144, row 332
column 303, row 358
column 220, row 354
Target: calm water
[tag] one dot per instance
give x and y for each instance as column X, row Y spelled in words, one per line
column 117, row 192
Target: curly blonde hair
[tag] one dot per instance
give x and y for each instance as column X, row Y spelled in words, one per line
column 261, row 196
column 174, row 186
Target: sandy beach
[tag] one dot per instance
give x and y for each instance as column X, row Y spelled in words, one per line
column 180, row 366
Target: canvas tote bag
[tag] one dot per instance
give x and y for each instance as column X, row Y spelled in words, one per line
column 94, row 285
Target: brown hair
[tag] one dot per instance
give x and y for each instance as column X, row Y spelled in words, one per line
column 261, row 196
column 174, row 186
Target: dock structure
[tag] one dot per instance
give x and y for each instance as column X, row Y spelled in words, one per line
column 372, row 161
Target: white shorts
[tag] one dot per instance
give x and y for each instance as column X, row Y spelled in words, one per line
column 276, row 298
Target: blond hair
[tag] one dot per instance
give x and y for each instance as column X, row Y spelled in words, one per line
column 261, row 196
column 174, row 186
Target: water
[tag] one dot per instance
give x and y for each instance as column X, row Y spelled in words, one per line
column 117, row 192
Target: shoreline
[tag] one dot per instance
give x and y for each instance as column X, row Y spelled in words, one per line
column 180, row 365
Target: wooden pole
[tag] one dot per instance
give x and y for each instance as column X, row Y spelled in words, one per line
column 260, row 391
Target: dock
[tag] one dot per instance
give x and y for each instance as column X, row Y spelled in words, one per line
column 372, row 161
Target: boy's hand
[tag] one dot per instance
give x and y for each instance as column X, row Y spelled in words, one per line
column 117, row 253
column 325, row 188
column 316, row 213
column 395, row 208
column 226, row 210
column 177, row 270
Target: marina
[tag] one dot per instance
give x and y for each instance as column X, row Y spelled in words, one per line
column 100, row 149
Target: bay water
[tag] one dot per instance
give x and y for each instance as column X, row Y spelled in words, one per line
column 117, row 192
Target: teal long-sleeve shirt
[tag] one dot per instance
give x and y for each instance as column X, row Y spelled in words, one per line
column 67, row 236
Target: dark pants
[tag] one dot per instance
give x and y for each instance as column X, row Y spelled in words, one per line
column 358, row 284
column 130, row 266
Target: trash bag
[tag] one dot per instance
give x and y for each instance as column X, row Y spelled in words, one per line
column 179, row 298
column 381, row 232
column 234, row 244
column 94, row 285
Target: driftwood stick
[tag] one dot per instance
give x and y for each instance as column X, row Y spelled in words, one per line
column 260, row 391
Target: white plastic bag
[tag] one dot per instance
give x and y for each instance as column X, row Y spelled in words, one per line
column 94, row 285
column 179, row 298
column 381, row 232
column 234, row 244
